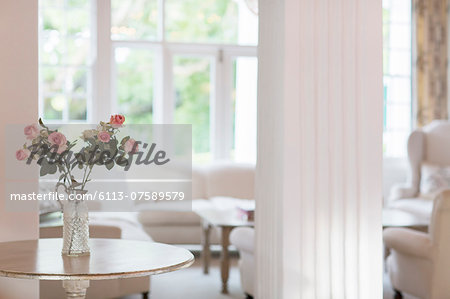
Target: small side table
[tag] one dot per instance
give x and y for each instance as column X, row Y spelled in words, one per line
column 226, row 221
column 109, row 259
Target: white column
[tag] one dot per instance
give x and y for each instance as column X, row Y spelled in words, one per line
column 319, row 192
column 19, row 105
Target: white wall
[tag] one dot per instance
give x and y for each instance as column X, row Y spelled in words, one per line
column 19, row 104
column 319, row 170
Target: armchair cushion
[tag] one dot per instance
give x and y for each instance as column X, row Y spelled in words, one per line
column 434, row 179
column 419, row 207
column 243, row 238
column 400, row 191
column 408, row 241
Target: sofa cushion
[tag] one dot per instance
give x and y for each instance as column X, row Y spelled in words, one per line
column 233, row 180
column 434, row 179
column 126, row 221
column 231, row 203
column 156, row 218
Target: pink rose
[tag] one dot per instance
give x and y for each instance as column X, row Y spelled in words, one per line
column 117, row 120
column 57, row 138
column 61, row 148
column 22, row 154
column 31, row 131
column 131, row 146
column 104, row 136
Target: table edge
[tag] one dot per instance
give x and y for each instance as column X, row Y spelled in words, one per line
column 105, row 276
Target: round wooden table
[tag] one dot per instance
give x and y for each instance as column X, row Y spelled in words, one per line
column 109, row 259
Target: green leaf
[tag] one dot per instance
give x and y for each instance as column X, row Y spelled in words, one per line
column 124, row 140
column 42, row 123
column 52, row 168
column 121, row 161
column 43, row 171
column 75, row 184
column 109, row 165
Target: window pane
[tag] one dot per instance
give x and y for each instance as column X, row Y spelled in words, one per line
column 53, row 79
column 77, row 109
column 53, row 107
column 77, row 3
column 64, row 58
column 397, row 90
column 66, row 3
column 192, row 95
column 52, row 20
column 400, row 36
column 400, row 62
column 244, row 109
column 396, row 76
column 134, row 19
column 77, row 21
column 52, row 50
column 394, row 143
column 399, row 117
column 135, row 84
column 77, row 80
column 211, row 21
column 77, row 51
column 51, row 3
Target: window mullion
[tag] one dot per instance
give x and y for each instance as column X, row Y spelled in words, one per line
column 104, row 87
column 220, row 118
column 227, row 91
column 168, row 87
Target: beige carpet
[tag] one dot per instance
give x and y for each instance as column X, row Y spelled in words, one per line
column 191, row 283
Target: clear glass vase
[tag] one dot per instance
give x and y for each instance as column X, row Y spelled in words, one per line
column 75, row 226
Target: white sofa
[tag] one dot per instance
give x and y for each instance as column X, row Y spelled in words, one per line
column 244, row 238
column 419, row 263
column 211, row 185
column 430, row 144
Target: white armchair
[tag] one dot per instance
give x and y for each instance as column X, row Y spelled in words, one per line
column 430, row 144
column 419, row 263
column 243, row 238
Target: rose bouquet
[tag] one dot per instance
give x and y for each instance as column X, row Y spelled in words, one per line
column 54, row 153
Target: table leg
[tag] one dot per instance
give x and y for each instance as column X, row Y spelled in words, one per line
column 76, row 289
column 225, row 259
column 206, row 253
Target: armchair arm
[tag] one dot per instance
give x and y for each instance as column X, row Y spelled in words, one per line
column 243, row 238
column 400, row 191
column 408, row 241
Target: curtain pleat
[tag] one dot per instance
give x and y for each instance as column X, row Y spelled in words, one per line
column 430, row 60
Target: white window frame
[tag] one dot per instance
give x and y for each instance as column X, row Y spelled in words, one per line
column 101, row 84
column 410, row 126
column 91, row 78
column 222, row 56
